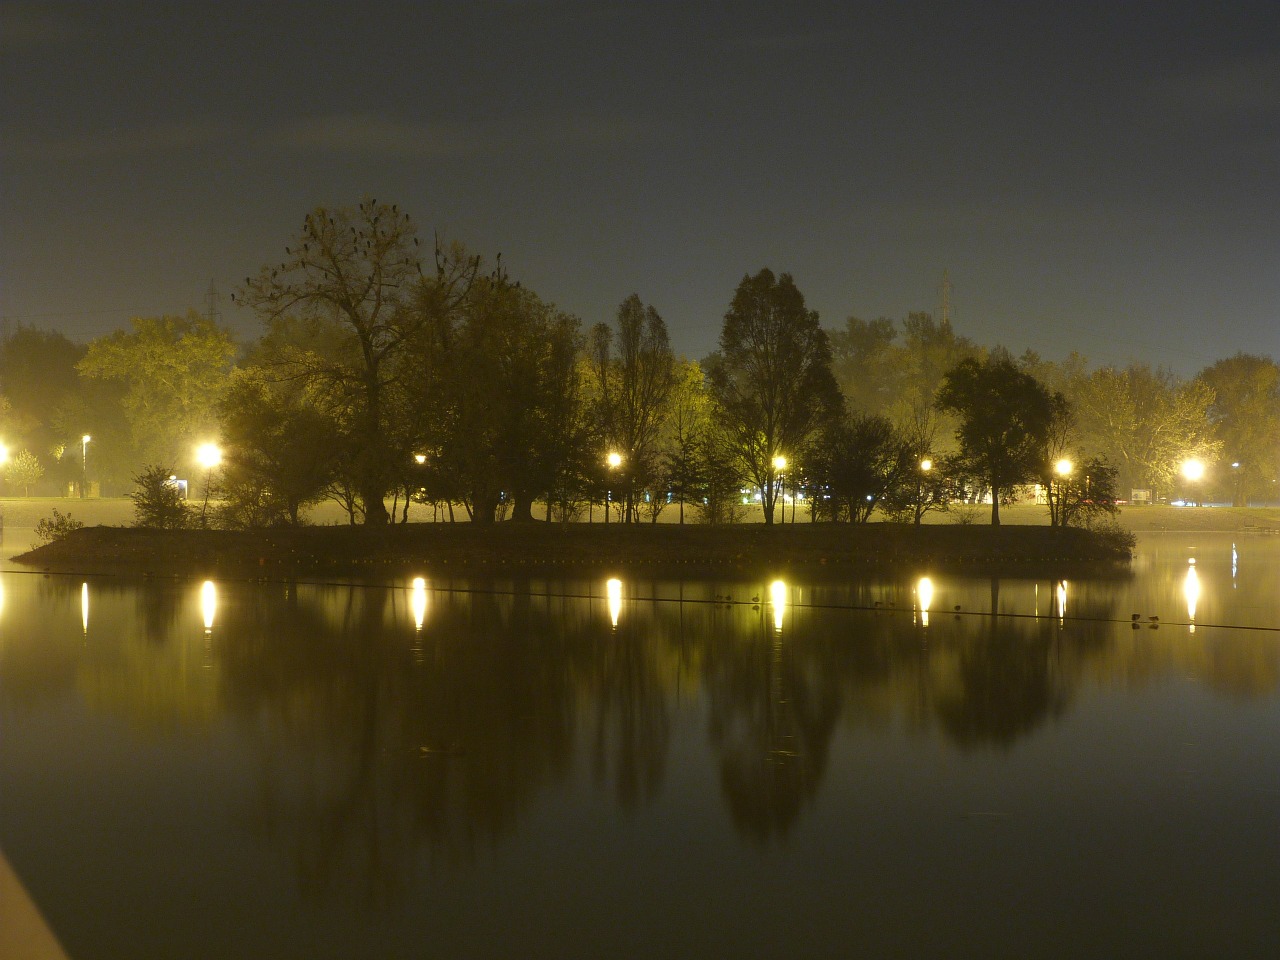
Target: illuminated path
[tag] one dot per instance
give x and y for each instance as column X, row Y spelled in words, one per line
column 23, row 933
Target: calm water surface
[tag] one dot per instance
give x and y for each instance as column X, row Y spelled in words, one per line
column 578, row 769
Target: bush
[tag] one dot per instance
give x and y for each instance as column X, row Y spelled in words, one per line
column 157, row 501
column 56, row 527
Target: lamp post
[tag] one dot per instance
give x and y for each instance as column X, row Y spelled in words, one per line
column 84, row 464
column 926, row 465
column 614, row 461
column 208, row 456
column 1058, row 514
column 1193, row 471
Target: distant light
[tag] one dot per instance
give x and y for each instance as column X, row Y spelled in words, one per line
column 86, row 438
column 614, row 460
column 779, row 463
column 1064, row 467
column 1236, row 464
column 208, row 455
column 926, row 464
column 1193, row 469
column 419, row 458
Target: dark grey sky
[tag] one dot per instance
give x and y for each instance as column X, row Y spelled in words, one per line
column 1099, row 177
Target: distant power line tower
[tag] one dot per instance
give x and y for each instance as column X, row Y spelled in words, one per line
column 212, row 303
column 944, row 299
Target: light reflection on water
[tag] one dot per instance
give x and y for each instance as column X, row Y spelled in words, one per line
column 534, row 768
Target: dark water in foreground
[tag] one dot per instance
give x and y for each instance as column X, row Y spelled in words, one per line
column 267, row 770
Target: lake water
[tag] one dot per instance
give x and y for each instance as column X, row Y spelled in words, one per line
column 577, row 769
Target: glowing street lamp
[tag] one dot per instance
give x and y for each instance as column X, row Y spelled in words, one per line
column 1193, row 471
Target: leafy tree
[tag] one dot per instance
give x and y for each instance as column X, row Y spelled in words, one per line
column 772, row 377
column 280, row 455
column 1245, row 414
column 863, row 361
column 173, row 370
column 721, row 471
column 632, row 390
column 857, row 462
column 24, row 470
column 1005, row 418
column 157, row 501
column 688, row 427
column 1083, row 496
column 1146, row 422
column 342, row 311
column 49, row 529
column 508, row 417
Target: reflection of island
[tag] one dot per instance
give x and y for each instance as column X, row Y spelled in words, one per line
column 395, row 726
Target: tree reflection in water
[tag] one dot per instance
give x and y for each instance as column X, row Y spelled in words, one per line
column 380, row 739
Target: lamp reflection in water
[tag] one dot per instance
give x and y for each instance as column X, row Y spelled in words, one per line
column 84, row 609
column 208, row 604
column 778, row 600
column 613, row 589
column 1191, row 590
column 924, row 598
column 418, row 601
column 1062, row 601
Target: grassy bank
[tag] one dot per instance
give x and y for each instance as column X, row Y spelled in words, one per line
column 465, row 548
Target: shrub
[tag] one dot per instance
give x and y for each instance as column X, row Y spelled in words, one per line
column 157, row 501
column 56, row 527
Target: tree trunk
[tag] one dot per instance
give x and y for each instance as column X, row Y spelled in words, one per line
column 522, row 507
column 995, row 505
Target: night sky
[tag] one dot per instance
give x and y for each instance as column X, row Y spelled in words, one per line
column 1095, row 177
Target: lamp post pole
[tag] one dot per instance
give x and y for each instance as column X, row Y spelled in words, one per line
column 84, row 464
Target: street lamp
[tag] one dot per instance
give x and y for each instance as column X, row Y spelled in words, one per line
column 614, row 461
column 1193, row 470
column 84, row 463
column 1058, row 511
column 208, row 455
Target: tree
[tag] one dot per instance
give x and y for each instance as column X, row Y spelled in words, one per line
column 1245, row 415
column 279, row 455
column 157, row 501
column 1005, row 418
column 173, row 370
column 24, row 470
column 688, row 427
column 351, row 289
column 505, row 423
column 856, row 463
column 632, row 390
column 1144, row 421
column 772, row 377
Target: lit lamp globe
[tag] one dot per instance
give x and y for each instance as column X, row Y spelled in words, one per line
column 926, row 464
column 1193, row 469
column 4, row 453
column 1064, row 467
column 779, row 463
column 614, row 460
column 208, row 455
